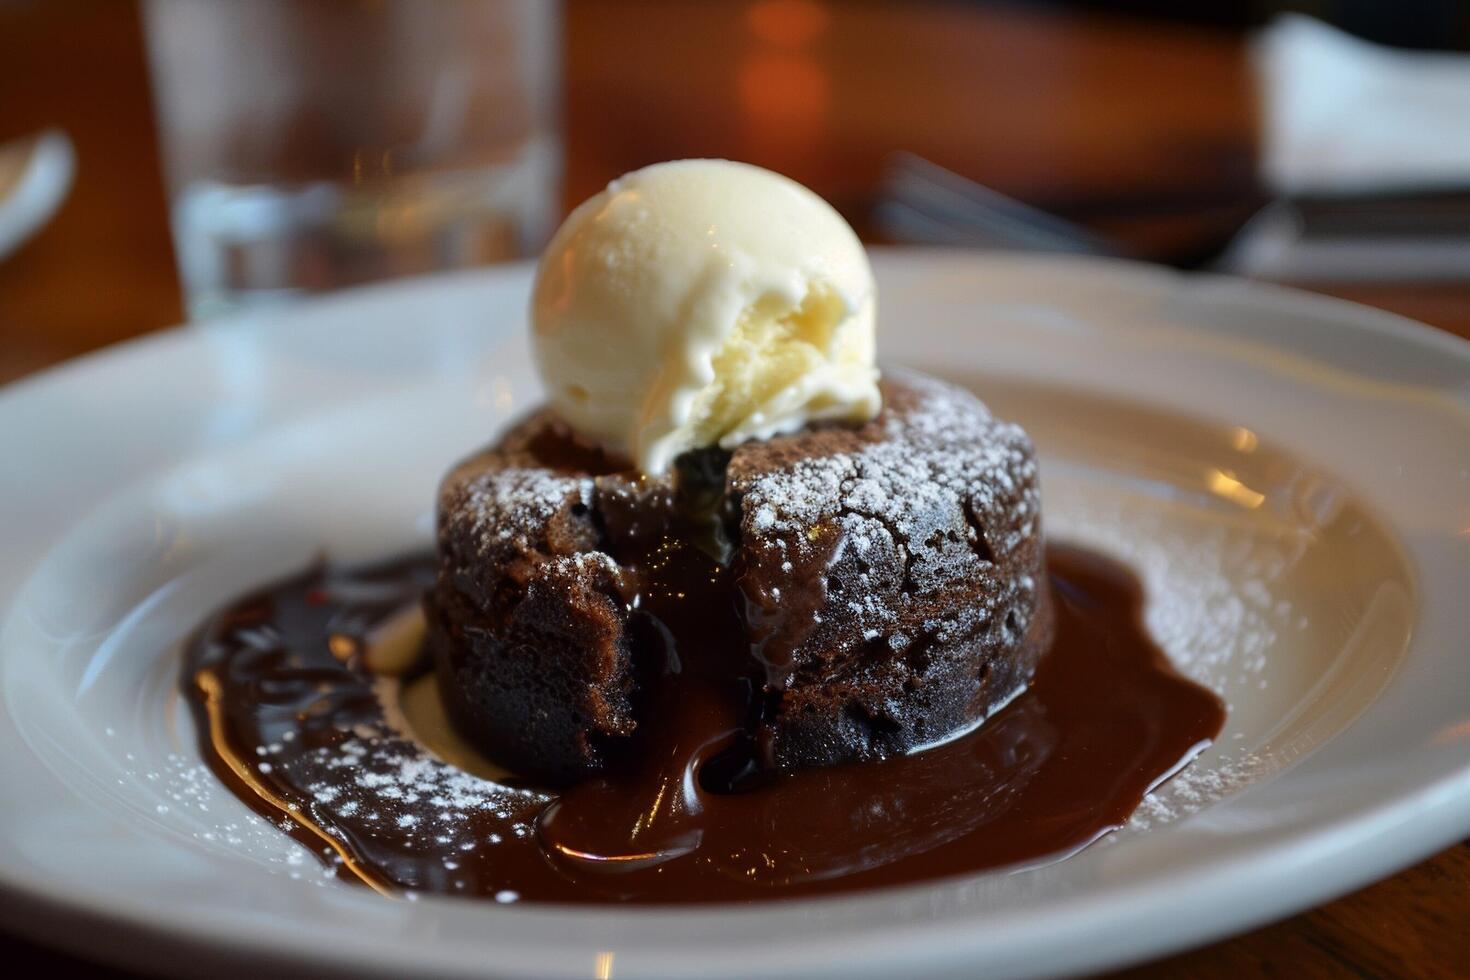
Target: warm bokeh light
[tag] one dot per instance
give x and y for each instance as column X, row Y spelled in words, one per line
column 782, row 87
column 1225, row 485
column 787, row 23
column 1244, row 440
column 1451, row 734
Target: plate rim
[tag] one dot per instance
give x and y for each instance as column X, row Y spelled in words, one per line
column 1445, row 799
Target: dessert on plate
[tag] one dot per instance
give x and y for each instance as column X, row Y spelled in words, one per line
column 740, row 616
column 723, row 490
column 862, row 590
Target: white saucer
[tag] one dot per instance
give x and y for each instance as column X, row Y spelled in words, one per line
column 1290, row 474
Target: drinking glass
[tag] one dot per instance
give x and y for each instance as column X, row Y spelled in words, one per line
column 314, row 144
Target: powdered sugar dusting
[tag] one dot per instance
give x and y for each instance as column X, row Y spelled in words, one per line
column 1213, row 601
column 1200, row 784
column 1210, row 602
column 399, row 793
column 192, row 798
column 946, row 493
column 374, row 790
column 518, row 499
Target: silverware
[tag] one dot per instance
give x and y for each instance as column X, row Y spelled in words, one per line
column 1416, row 234
column 923, row 203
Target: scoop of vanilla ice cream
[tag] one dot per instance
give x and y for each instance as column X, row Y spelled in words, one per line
column 704, row 302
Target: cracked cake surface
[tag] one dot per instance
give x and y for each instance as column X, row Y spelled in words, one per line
column 878, row 587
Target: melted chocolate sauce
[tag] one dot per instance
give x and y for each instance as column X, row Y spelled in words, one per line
column 292, row 722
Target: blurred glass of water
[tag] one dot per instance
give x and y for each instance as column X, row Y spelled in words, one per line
column 313, row 144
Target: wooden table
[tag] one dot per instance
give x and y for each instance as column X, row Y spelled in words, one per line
column 1090, row 116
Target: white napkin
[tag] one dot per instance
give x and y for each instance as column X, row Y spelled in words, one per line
column 1345, row 116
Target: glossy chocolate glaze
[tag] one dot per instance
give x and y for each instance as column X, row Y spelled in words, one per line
column 279, row 677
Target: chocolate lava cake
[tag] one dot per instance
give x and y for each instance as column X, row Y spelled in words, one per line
column 863, row 590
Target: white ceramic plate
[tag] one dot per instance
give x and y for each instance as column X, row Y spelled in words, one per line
column 1291, row 476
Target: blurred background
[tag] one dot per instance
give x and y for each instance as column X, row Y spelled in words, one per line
column 162, row 160
column 168, row 159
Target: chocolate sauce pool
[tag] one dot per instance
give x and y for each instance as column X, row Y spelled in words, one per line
column 293, row 722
